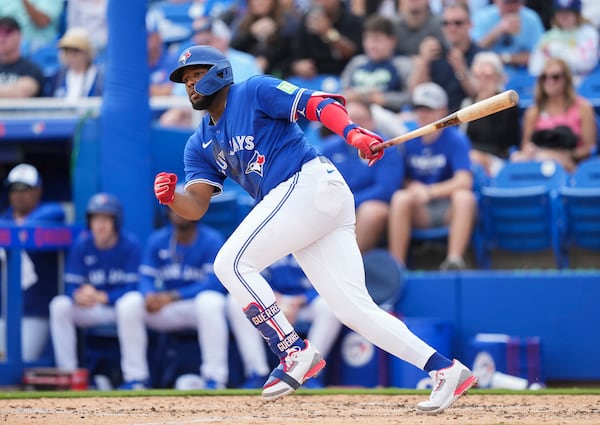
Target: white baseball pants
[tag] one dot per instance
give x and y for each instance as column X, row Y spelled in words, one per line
column 312, row 216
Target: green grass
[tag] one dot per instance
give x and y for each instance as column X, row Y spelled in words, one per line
column 237, row 392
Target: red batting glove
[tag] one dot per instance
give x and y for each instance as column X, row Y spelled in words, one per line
column 164, row 187
column 364, row 140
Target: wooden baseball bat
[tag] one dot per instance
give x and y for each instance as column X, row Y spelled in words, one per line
column 483, row 108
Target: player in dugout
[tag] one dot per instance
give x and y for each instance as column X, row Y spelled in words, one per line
column 302, row 206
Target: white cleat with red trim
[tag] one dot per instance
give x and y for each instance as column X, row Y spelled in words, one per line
column 294, row 369
column 448, row 385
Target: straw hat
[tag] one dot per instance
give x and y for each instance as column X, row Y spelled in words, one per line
column 76, row 38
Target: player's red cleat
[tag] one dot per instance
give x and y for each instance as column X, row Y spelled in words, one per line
column 294, row 369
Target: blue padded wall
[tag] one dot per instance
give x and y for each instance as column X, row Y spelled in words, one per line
column 125, row 165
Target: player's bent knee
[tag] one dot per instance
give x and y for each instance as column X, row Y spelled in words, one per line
column 130, row 303
column 211, row 302
column 60, row 305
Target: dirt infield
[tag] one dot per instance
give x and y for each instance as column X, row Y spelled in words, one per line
column 479, row 409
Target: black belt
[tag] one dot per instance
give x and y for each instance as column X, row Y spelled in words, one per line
column 324, row 159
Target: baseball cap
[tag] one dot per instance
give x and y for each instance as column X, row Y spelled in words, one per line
column 76, row 38
column 573, row 5
column 25, row 176
column 10, row 23
column 429, row 95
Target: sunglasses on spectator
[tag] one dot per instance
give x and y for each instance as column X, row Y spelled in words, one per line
column 456, row 23
column 553, row 77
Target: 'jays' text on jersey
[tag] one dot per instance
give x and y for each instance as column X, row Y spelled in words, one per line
column 113, row 270
column 438, row 161
column 256, row 141
column 168, row 265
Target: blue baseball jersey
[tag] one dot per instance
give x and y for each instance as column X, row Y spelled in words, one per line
column 113, row 270
column 438, row 161
column 256, row 142
column 187, row 269
column 37, row 296
column 378, row 182
column 286, row 277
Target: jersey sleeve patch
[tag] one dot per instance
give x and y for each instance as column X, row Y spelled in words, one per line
column 287, row 87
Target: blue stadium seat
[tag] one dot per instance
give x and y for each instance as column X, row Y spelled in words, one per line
column 524, row 84
column 437, row 235
column 581, row 204
column 589, row 87
column 520, row 211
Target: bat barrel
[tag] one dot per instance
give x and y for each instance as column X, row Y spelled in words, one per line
column 481, row 109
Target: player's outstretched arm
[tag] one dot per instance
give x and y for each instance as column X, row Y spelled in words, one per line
column 334, row 116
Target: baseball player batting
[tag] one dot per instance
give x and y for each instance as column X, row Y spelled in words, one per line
column 303, row 206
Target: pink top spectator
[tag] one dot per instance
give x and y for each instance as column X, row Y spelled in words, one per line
column 571, row 118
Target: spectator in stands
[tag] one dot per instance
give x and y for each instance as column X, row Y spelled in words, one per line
column 379, row 75
column 300, row 302
column 39, row 270
column 215, row 33
column 447, row 63
column 178, row 290
column 372, row 186
column 510, row 29
column 364, row 8
column 571, row 38
column 39, row 20
column 416, row 22
column 91, row 15
column 160, row 62
column 266, row 31
column 19, row 77
column 102, row 266
column 560, row 125
column 327, row 38
column 491, row 137
column 438, row 187
column 78, row 76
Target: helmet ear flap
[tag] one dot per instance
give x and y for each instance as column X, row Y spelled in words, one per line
column 217, row 77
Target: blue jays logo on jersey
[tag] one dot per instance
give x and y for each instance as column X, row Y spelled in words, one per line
column 256, row 164
column 184, row 57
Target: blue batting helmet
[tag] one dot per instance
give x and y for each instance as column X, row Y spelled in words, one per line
column 105, row 203
column 219, row 75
